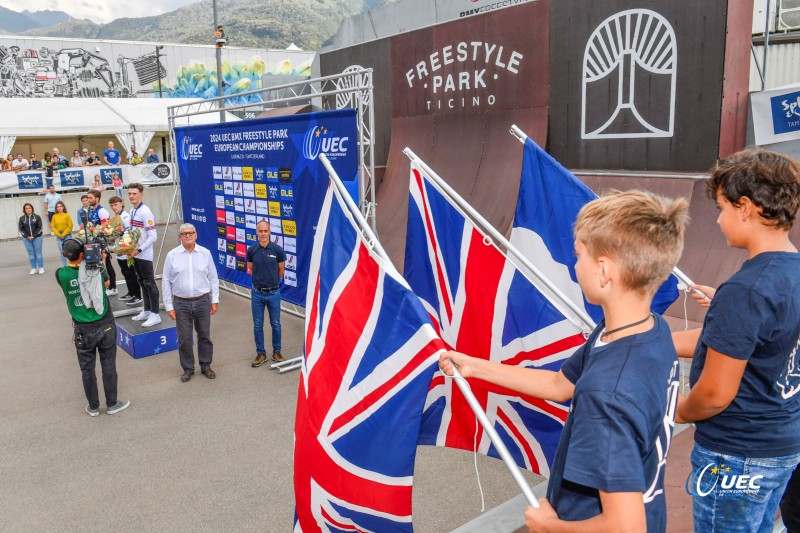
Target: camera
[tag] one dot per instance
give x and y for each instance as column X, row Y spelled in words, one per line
column 93, row 248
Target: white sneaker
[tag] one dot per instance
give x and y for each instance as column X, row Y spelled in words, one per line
column 112, row 292
column 154, row 319
column 32, row 272
column 41, row 270
column 144, row 315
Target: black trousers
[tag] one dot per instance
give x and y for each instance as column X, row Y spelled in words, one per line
column 790, row 504
column 147, row 280
column 112, row 274
column 92, row 340
column 195, row 314
column 130, row 278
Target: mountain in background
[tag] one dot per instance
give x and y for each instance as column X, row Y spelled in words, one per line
column 47, row 17
column 248, row 23
column 13, row 22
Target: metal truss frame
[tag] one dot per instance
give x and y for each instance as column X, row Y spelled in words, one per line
column 352, row 89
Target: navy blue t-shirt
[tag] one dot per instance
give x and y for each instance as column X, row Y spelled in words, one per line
column 265, row 261
column 755, row 316
column 620, row 424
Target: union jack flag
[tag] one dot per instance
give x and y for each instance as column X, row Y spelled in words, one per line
column 481, row 305
column 371, row 352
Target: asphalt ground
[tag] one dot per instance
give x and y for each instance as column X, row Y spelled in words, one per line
column 208, row 455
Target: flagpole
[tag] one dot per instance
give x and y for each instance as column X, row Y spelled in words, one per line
column 372, row 239
column 499, row 445
column 683, row 278
column 459, row 379
column 580, row 318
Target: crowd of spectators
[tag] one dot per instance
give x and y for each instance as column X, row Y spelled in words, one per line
column 80, row 158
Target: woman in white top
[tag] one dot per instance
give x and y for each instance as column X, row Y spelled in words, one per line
column 76, row 160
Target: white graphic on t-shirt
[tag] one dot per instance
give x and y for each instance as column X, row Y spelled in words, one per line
column 789, row 383
column 664, row 438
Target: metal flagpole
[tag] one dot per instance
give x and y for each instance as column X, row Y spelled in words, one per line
column 683, row 278
column 463, row 386
column 578, row 316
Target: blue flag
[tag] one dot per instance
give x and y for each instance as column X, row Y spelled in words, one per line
column 550, row 197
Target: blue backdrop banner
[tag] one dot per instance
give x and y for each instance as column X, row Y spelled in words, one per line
column 235, row 174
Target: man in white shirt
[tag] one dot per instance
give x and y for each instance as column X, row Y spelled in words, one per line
column 20, row 163
column 191, row 295
column 142, row 218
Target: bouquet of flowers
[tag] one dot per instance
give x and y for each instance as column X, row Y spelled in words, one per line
column 111, row 230
column 127, row 241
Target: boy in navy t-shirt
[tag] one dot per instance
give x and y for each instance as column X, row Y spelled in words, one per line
column 746, row 368
column 608, row 471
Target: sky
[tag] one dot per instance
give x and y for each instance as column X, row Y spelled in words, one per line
column 99, row 11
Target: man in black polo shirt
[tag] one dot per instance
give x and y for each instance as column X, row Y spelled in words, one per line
column 265, row 261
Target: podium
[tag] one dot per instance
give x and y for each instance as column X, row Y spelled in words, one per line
column 141, row 342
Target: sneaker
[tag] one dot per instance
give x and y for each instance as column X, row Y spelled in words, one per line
column 32, row 272
column 144, row 315
column 92, row 412
column 117, row 407
column 259, row 360
column 112, row 292
column 277, row 357
column 41, row 270
column 152, row 320
column 125, row 298
column 134, row 301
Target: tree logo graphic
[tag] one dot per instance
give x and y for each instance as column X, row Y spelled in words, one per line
column 629, row 68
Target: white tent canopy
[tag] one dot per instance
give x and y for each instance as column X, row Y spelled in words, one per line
column 72, row 117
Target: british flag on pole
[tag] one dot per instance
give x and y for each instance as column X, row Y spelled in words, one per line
column 482, row 306
column 371, row 352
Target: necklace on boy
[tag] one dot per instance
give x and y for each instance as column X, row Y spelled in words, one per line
column 637, row 323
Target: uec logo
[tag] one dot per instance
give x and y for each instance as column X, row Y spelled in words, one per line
column 720, row 474
column 191, row 150
column 316, row 141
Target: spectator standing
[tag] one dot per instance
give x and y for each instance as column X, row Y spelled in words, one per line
column 142, row 218
column 116, row 182
column 92, row 160
column 61, row 224
column 111, row 155
column 151, row 156
column 94, row 330
column 134, row 294
column 76, row 160
column 47, row 166
column 57, row 155
column 745, row 377
column 84, row 155
column 265, row 260
column 191, row 296
column 30, row 228
column 7, row 163
column 130, row 154
column 136, row 160
column 83, row 212
column 20, row 163
column 35, row 163
column 50, row 200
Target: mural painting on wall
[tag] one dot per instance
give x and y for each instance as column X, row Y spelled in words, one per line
column 198, row 81
column 78, row 72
